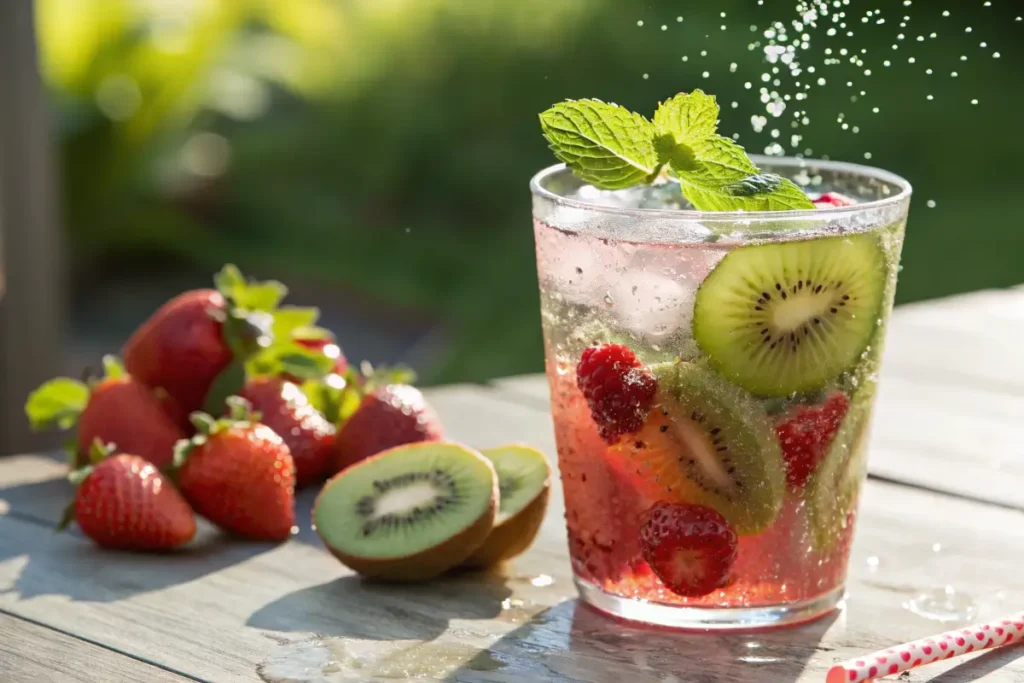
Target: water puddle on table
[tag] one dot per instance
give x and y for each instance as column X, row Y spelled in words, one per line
column 331, row 661
column 942, row 605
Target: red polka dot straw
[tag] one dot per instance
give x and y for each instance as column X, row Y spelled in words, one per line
column 927, row 650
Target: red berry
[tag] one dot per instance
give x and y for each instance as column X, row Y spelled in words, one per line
column 309, row 436
column 832, row 200
column 242, row 478
column 125, row 503
column 691, row 548
column 124, row 412
column 806, row 434
column 618, row 391
column 391, row 416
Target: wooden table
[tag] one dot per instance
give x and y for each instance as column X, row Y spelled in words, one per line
column 943, row 508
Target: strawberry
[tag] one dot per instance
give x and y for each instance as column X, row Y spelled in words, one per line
column 691, row 548
column 199, row 345
column 117, row 409
column 239, row 474
column 618, row 391
column 833, row 200
column 124, row 502
column 388, row 416
column 286, row 409
column 806, row 433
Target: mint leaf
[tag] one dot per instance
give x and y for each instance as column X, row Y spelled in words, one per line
column 604, row 144
column 688, row 118
column 58, row 403
column 714, row 172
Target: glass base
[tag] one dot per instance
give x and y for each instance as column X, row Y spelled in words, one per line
column 710, row 618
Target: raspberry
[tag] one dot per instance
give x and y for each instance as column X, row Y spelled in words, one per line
column 691, row 548
column 832, row 200
column 617, row 390
column 806, row 435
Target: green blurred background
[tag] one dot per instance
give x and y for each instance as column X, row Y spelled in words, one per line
column 375, row 154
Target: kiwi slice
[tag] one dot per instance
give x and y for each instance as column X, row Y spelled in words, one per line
column 831, row 492
column 779, row 319
column 409, row 513
column 524, row 482
column 709, row 442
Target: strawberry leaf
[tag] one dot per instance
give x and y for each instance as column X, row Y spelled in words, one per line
column 68, row 515
column 289, row 358
column 375, row 378
column 58, row 402
column 249, row 294
column 291, row 322
column 113, row 368
column 228, row 382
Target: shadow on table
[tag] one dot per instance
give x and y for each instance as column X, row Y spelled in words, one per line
column 354, row 608
column 69, row 564
column 570, row 642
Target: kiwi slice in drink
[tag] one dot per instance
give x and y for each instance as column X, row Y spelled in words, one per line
column 524, row 482
column 831, row 492
column 708, row 442
column 779, row 319
column 409, row 513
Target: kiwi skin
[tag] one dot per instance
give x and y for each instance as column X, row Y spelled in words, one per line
column 513, row 536
column 427, row 564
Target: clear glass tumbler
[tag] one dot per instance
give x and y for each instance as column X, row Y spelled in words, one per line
column 763, row 334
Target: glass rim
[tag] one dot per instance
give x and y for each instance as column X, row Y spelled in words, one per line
column 905, row 190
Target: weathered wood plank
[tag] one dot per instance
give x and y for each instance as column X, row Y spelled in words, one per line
column 29, row 652
column 221, row 611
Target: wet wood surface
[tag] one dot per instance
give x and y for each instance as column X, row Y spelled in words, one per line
column 229, row 611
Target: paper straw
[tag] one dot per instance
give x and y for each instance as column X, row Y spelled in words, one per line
column 909, row 656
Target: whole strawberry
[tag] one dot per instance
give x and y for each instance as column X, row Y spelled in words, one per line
column 392, row 415
column 198, row 346
column 117, row 409
column 124, row 502
column 618, row 390
column 239, row 474
column 285, row 408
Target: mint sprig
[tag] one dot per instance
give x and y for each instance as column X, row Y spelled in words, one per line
column 612, row 148
column 604, row 144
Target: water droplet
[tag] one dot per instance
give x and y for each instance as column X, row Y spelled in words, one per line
column 822, row 81
column 911, row 60
column 703, row 53
column 983, row 44
column 931, row 97
column 640, row 23
column 722, row 15
column 705, row 74
column 867, row 155
column 968, row 29
column 974, row 101
column 954, row 74
column 664, row 27
column 942, row 604
column 995, row 55
column 685, row 58
column 542, row 580
column 931, row 203
column 732, row 68
column 887, row 63
column 936, row 547
column 963, row 58
column 945, row 13
column 875, row 110
column 646, row 76
column 873, row 563
column 747, row 85
column 928, row 71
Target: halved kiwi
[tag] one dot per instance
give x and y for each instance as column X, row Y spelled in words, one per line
column 709, row 442
column 831, row 492
column 524, row 481
column 778, row 319
column 409, row 513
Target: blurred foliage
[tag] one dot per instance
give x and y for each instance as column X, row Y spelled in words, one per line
column 383, row 147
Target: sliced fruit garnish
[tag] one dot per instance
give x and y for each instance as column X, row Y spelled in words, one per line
column 831, row 492
column 618, row 390
column 691, row 548
column 805, row 434
column 409, row 513
column 710, row 443
column 524, row 483
column 778, row 319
